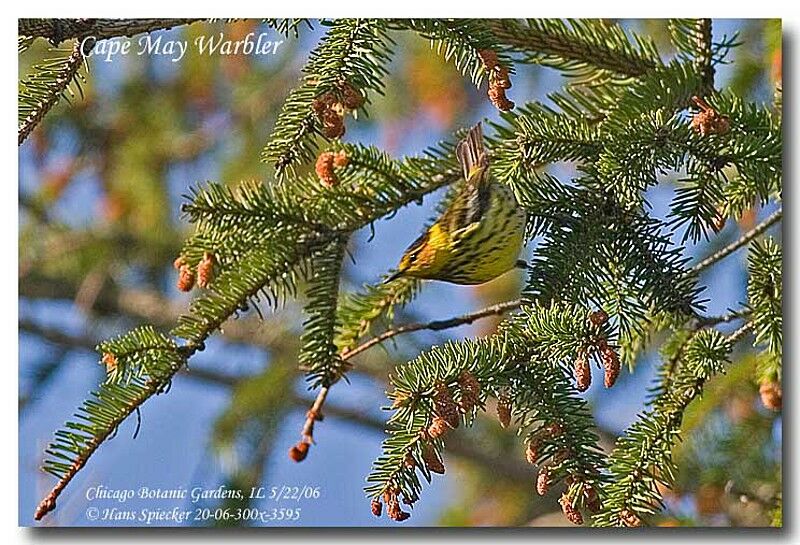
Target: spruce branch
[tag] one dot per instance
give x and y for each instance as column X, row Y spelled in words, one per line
column 743, row 240
column 352, row 56
column 149, row 361
column 528, row 354
column 436, row 325
column 765, row 301
column 693, row 40
column 461, row 40
column 314, row 413
column 49, row 82
column 642, row 458
column 59, row 30
column 588, row 49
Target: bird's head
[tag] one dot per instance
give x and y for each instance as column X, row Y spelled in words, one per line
column 424, row 258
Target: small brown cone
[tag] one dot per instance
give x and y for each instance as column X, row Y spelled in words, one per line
column 707, row 120
column 771, row 395
column 504, row 410
column 299, row 452
column 323, row 103
column 431, row 459
column 438, row 427
column 592, row 499
column 543, row 481
column 583, row 373
column 332, row 124
column 489, row 58
column 185, row 278
column 178, row 262
column 377, row 507
column 205, row 270
column 340, row 159
column 445, row 406
column 611, row 365
column 554, row 429
column 497, row 96
column 351, row 97
column 532, row 451
column 409, row 461
column 572, row 514
column 470, row 391
column 630, row 519
column 324, row 169
column 394, row 511
column 110, row 361
column 598, row 317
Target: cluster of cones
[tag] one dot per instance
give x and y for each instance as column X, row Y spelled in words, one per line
column 447, row 416
column 187, row 276
column 498, row 80
column 325, row 166
column 608, row 356
column 331, row 107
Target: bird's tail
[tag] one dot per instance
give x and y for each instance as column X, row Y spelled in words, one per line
column 472, row 154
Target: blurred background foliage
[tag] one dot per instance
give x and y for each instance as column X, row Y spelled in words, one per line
column 100, row 187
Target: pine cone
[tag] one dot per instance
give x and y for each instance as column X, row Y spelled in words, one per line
column 377, row 507
column 332, row 124
column 324, row 169
column 351, row 97
column 543, row 481
column 532, row 451
column 438, row 427
column 554, row 429
column 630, row 519
column 501, row 78
column 598, row 318
column 708, row 120
column 592, row 499
column 431, row 459
column 583, row 373
column 323, row 103
column 205, row 270
column 299, row 452
column 110, row 361
column 340, row 159
column 445, row 406
column 504, row 410
column 185, row 278
column 497, row 96
column 489, row 58
column 572, row 514
column 771, row 395
column 470, row 390
column 395, row 513
column 611, row 365
column 409, row 461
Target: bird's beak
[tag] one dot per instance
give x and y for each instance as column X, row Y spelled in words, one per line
column 392, row 277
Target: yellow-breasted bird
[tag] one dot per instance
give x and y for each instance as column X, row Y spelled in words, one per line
column 479, row 236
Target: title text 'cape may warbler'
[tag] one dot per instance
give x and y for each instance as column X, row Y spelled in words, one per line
column 479, row 236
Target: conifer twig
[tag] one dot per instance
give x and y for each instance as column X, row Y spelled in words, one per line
column 743, row 240
column 704, row 58
column 58, row 30
column 436, row 325
column 519, row 38
column 71, row 67
column 315, row 412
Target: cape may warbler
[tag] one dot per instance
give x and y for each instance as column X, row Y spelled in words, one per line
column 479, row 236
